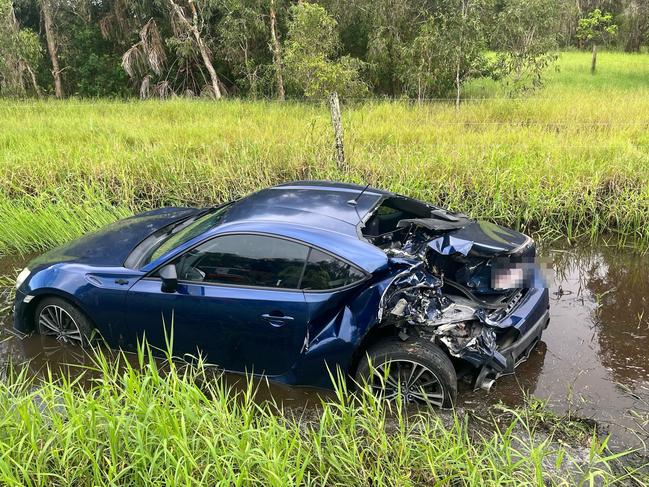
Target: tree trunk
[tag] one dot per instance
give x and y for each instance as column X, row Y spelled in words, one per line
column 632, row 43
column 250, row 75
column 593, row 65
column 202, row 47
column 204, row 52
column 457, row 86
column 277, row 53
column 33, row 78
column 637, row 23
column 46, row 9
column 634, row 40
column 458, row 67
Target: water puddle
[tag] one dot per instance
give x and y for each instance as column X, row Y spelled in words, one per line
column 593, row 361
column 594, row 357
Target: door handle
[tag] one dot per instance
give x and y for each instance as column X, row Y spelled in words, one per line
column 277, row 321
column 267, row 316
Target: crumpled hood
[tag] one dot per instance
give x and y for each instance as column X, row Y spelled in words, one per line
column 469, row 253
column 111, row 245
column 480, row 239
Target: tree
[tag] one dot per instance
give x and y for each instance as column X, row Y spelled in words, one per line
column 392, row 26
column 146, row 56
column 525, row 41
column 249, row 39
column 194, row 24
column 468, row 46
column 20, row 53
column 424, row 71
column 312, row 68
column 595, row 29
column 92, row 61
column 447, row 51
column 635, row 25
column 277, row 51
column 173, row 51
column 268, row 48
column 240, row 32
column 88, row 63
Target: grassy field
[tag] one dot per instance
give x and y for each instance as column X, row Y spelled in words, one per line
column 616, row 73
column 140, row 425
column 573, row 159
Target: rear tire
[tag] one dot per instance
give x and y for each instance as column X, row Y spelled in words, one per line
column 62, row 320
column 416, row 369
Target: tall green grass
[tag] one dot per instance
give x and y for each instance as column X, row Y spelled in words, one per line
column 142, row 425
column 572, row 160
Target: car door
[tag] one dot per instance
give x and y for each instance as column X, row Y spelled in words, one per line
column 237, row 302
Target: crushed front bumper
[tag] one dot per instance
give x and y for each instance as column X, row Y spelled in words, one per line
column 530, row 318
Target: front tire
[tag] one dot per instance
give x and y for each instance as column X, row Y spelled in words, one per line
column 416, row 369
column 62, row 320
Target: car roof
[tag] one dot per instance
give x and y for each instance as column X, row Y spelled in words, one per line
column 317, row 213
column 316, row 204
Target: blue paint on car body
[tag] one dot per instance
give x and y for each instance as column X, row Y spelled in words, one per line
column 296, row 333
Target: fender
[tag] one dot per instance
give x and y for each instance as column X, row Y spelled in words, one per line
column 99, row 292
column 24, row 311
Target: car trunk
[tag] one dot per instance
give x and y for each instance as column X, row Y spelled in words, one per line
column 110, row 246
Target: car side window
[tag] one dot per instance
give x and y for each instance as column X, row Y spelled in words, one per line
column 324, row 271
column 245, row 260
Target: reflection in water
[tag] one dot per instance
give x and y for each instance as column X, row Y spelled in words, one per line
column 618, row 284
column 593, row 360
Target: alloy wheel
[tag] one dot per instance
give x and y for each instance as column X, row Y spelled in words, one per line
column 414, row 382
column 56, row 322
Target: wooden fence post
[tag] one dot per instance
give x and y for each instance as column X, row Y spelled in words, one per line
column 334, row 105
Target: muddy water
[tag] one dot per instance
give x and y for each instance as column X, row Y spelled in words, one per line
column 594, row 357
column 593, row 360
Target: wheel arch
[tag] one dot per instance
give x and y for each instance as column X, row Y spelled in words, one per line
column 44, row 293
column 374, row 335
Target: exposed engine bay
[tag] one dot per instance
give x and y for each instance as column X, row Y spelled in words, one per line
column 460, row 279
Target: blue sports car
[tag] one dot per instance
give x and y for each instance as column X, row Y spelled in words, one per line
column 298, row 279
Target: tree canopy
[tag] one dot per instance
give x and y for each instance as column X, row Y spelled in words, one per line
column 295, row 48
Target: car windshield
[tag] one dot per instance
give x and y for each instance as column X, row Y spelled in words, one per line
column 169, row 238
column 186, row 231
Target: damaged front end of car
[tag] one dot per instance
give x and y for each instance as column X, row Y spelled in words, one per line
column 471, row 287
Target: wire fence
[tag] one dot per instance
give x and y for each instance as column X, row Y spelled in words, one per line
column 451, row 119
column 315, row 100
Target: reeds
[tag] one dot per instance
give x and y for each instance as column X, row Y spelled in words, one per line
column 136, row 423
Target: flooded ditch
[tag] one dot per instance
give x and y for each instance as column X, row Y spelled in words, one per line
column 593, row 361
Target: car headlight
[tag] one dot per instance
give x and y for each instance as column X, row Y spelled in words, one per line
column 24, row 274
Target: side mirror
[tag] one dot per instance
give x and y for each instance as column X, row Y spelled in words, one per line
column 169, row 278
